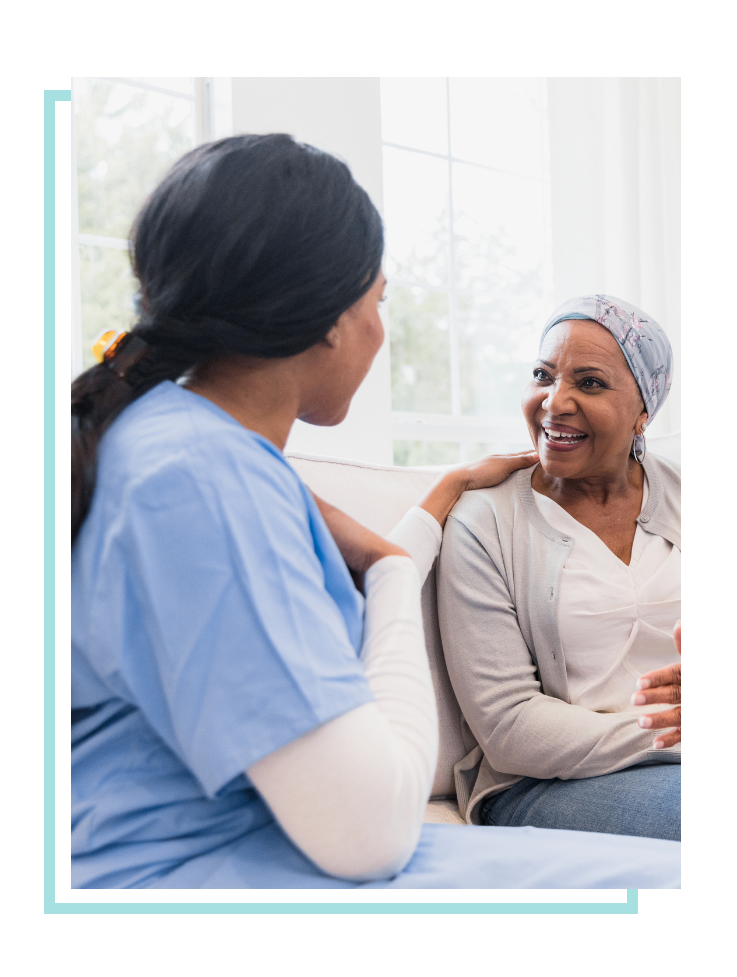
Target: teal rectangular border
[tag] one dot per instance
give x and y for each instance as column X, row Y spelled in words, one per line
column 51, row 97
column 362, row 908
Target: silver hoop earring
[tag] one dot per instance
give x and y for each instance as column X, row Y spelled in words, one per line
column 639, row 448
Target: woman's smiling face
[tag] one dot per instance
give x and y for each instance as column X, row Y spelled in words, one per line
column 582, row 405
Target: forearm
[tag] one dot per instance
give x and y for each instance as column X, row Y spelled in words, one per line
column 444, row 493
column 352, row 793
column 547, row 738
column 420, row 535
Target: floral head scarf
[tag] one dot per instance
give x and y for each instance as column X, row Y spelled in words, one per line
column 641, row 339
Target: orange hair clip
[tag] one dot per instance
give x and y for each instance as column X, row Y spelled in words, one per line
column 106, row 343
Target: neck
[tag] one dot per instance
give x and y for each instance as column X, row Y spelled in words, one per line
column 261, row 394
column 600, row 487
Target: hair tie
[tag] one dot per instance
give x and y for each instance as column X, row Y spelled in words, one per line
column 120, row 350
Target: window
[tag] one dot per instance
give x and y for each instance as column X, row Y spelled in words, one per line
column 127, row 132
column 466, row 207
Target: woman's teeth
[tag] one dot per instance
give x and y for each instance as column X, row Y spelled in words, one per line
column 561, row 438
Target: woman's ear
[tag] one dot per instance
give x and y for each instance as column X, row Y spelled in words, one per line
column 641, row 423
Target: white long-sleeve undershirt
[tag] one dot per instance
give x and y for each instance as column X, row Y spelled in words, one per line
column 352, row 794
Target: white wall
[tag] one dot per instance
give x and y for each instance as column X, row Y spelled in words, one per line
column 343, row 117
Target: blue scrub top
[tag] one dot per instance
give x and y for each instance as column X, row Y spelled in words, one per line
column 213, row 621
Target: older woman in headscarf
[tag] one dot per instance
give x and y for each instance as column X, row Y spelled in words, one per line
column 560, row 588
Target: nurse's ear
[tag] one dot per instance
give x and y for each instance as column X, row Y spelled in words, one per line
column 332, row 338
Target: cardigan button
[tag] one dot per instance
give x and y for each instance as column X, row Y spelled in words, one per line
column 644, row 518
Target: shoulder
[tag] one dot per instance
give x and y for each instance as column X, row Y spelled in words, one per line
column 173, row 426
column 173, row 448
column 498, row 506
column 482, row 525
column 670, row 470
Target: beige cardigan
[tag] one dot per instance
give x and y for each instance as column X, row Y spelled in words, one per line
column 497, row 580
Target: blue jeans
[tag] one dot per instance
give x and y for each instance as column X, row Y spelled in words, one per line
column 643, row 801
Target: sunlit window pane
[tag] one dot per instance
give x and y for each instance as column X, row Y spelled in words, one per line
column 416, row 216
column 499, row 122
column 420, row 349
column 499, row 225
column 126, row 140
column 414, row 113
column 503, row 285
column 426, row 453
column 108, row 287
column 494, row 365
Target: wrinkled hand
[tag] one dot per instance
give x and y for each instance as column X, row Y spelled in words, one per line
column 359, row 547
column 662, row 685
column 449, row 487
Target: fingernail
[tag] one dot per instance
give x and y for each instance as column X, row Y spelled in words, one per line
column 658, row 745
column 643, row 683
column 638, row 700
column 645, row 722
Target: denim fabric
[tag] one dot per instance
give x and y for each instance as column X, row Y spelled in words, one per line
column 643, row 801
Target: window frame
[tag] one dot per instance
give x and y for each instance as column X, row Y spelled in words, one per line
column 455, row 427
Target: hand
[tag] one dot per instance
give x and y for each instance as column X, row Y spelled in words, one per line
column 359, row 547
column 445, row 492
column 662, row 685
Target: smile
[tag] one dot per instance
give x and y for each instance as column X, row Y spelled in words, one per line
column 563, row 440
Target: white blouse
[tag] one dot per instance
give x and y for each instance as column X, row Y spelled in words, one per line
column 616, row 621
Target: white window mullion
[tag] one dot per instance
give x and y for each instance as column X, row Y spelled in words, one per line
column 203, row 110
column 76, row 289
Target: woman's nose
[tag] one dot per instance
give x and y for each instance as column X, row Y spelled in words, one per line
column 558, row 401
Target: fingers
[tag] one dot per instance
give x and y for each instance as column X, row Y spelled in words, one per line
column 670, row 675
column 525, row 459
column 677, row 636
column 670, row 694
column 661, row 720
column 520, row 459
column 496, row 468
column 667, row 739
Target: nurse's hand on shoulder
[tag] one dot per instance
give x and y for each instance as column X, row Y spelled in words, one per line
column 662, row 685
column 445, row 492
column 359, row 547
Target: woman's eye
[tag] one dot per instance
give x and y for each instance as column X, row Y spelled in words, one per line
column 592, row 383
column 539, row 374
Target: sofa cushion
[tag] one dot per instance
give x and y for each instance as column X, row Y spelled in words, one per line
column 377, row 497
column 443, row 811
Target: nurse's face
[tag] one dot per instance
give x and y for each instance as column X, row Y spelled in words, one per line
column 344, row 357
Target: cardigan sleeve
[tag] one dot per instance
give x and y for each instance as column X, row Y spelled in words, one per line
column 521, row 730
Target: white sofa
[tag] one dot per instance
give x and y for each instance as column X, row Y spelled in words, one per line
column 378, row 496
